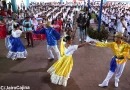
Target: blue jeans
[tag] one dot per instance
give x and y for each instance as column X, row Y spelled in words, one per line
column 82, row 33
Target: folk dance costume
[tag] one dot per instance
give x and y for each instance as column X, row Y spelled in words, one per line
column 60, row 70
column 52, row 36
column 118, row 61
column 62, row 44
column 15, row 45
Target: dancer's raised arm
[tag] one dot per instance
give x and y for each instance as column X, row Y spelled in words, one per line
column 42, row 31
column 81, row 45
column 102, row 44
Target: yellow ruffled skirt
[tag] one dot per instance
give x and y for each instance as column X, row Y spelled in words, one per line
column 60, row 70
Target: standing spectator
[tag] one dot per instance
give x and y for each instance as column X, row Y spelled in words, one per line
column 56, row 25
column 3, row 32
column 35, row 23
column 68, row 26
column 9, row 5
column 60, row 22
column 88, row 20
column 10, row 25
column 27, row 23
column 9, row 13
column 121, row 25
column 4, row 4
column 81, row 21
column 3, row 13
column 1, row 5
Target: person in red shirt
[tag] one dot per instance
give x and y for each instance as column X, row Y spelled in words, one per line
column 56, row 26
column 3, row 31
column 3, row 13
column 39, row 36
column 60, row 23
column 9, row 12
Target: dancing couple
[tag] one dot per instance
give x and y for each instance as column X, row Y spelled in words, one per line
column 60, row 70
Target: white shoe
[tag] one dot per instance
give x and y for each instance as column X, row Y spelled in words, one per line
column 80, row 40
column 116, row 84
column 14, row 59
column 50, row 58
column 25, row 57
column 103, row 84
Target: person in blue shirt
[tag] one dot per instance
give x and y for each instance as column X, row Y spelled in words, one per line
column 52, row 36
column 27, row 23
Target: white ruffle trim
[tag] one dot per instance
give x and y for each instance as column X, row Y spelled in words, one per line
column 15, row 55
column 55, row 79
column 7, row 43
column 88, row 39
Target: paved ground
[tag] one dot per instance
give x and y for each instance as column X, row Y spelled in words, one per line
column 91, row 65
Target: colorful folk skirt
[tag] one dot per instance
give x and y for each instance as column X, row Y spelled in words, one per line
column 60, row 70
column 15, row 47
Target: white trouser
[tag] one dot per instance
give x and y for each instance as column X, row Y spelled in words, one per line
column 55, row 48
column 118, row 73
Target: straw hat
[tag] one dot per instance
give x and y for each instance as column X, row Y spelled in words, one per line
column 119, row 34
column 48, row 24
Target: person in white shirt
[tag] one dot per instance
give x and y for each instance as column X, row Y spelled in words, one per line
column 21, row 16
column 70, row 16
column 9, row 25
column 68, row 26
column 15, row 45
column 103, row 18
column 121, row 25
column 112, row 25
column 34, row 23
column 50, row 18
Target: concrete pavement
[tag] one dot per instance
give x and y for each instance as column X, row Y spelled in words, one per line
column 91, row 65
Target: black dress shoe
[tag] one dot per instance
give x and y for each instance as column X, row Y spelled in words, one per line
column 51, row 59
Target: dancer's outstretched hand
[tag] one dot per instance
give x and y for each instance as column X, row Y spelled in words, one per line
column 81, row 45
